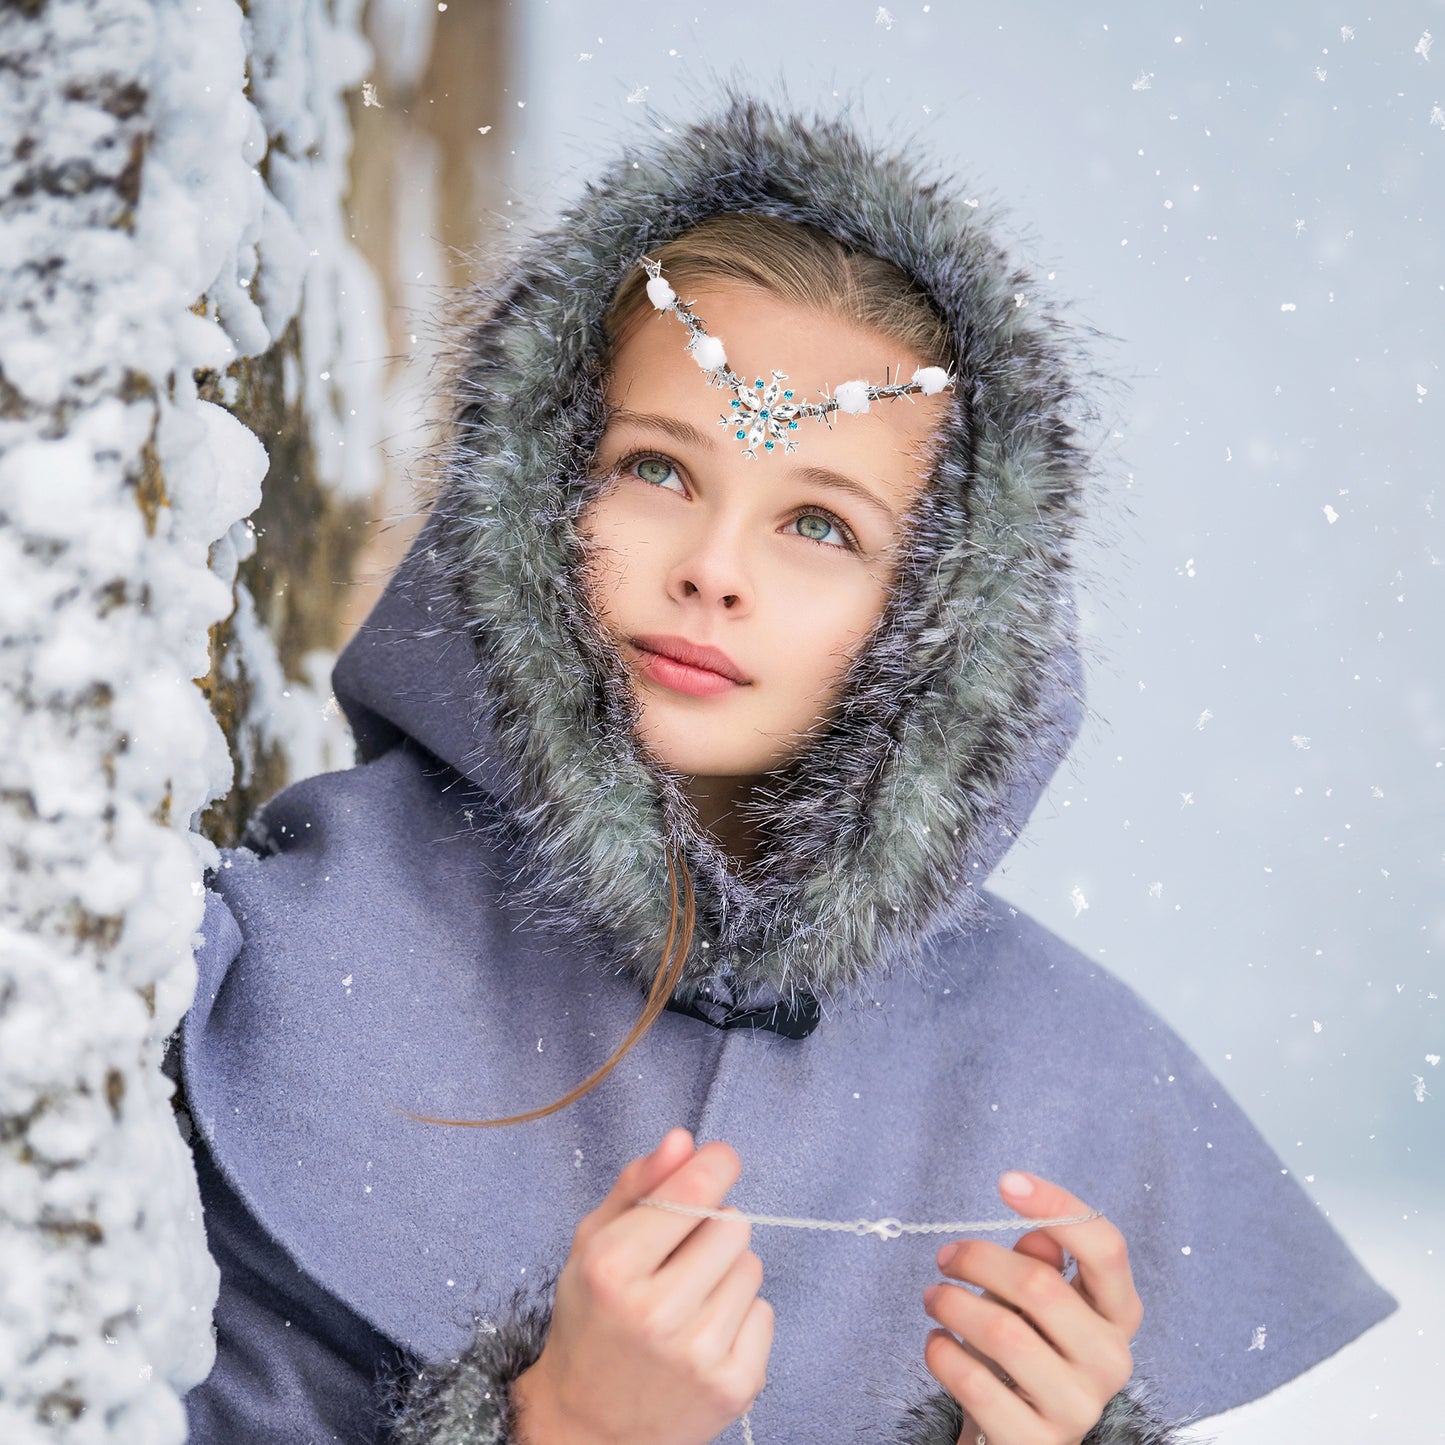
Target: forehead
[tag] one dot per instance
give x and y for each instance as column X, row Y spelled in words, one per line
column 885, row 447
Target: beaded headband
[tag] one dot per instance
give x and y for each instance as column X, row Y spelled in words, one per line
column 764, row 412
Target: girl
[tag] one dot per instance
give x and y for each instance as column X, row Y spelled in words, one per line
column 739, row 718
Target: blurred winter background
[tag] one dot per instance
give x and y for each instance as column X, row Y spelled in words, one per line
column 1251, row 198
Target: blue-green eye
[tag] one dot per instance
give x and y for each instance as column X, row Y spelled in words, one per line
column 816, row 526
column 655, row 470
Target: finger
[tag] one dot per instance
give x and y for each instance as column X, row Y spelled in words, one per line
column 1038, row 1292
column 703, row 1260
column 638, row 1178
column 1042, row 1248
column 1103, row 1257
column 1052, row 1384
column 720, row 1316
column 642, row 1238
column 998, row 1412
column 753, row 1345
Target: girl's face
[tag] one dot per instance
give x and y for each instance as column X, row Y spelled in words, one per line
column 781, row 565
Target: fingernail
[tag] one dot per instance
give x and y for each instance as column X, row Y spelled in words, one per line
column 931, row 1294
column 1019, row 1185
column 945, row 1255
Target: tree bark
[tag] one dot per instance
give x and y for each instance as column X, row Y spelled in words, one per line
column 181, row 315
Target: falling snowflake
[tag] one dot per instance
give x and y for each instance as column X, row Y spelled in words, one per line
column 1256, row 1338
column 1437, row 117
column 1301, row 742
column 1421, row 1092
column 1202, row 719
column 1331, row 515
column 636, row 97
column 1320, row 73
column 1423, row 44
column 1076, row 896
column 1347, row 32
column 1432, row 1059
column 1143, row 81
column 1186, row 799
column 368, row 95
column 883, row 18
column 1156, row 890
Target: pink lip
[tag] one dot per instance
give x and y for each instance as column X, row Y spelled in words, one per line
column 689, row 667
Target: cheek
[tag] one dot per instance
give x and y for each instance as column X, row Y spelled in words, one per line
column 603, row 562
column 838, row 610
column 821, row 630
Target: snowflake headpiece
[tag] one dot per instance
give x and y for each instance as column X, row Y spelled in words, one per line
column 764, row 412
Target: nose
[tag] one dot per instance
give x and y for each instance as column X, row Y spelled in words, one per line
column 710, row 568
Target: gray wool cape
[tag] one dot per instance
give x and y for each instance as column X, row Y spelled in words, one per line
column 466, row 923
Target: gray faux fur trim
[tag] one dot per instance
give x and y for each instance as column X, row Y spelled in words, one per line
column 969, row 694
column 467, row 1400
column 1127, row 1420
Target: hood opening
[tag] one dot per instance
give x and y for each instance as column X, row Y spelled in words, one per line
column 954, row 717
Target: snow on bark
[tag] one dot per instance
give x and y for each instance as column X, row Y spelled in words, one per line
column 157, row 222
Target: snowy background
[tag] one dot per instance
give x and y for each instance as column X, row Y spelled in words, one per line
column 1251, row 200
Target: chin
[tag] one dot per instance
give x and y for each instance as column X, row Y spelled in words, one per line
column 697, row 755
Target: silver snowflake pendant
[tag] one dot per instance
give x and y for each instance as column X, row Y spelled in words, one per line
column 763, row 412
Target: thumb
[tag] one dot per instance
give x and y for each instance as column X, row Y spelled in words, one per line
column 639, row 1178
column 675, row 1149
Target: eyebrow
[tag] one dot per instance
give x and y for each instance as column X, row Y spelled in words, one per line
column 689, row 435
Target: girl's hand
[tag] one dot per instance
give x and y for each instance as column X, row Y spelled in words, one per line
column 1040, row 1357
column 658, row 1336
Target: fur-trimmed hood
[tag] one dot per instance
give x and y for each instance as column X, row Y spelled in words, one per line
column 954, row 716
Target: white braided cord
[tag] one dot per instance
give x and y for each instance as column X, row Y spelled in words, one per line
column 882, row 1228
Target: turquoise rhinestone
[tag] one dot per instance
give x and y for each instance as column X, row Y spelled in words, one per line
column 787, row 396
column 792, row 426
column 767, row 446
column 736, row 403
column 741, row 435
column 764, row 412
column 759, row 383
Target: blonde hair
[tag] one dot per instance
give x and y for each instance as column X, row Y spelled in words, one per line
column 797, row 263
column 807, row 267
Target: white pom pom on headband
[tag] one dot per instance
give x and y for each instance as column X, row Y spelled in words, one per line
column 764, row 412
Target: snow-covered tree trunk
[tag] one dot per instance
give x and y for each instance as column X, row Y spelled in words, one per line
column 179, row 305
